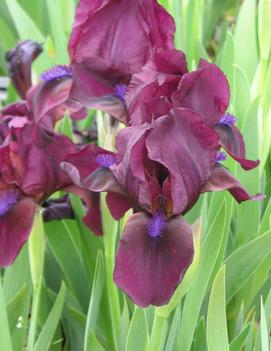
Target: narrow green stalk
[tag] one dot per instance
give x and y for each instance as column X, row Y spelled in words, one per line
column 36, row 248
column 113, row 299
column 106, row 136
column 158, row 334
column 34, row 317
column 110, row 234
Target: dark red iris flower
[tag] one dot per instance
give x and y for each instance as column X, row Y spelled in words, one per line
column 110, row 41
column 159, row 170
column 30, row 173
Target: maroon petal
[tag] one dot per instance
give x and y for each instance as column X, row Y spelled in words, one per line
column 117, row 204
column 158, row 78
column 15, row 227
column 40, row 171
column 84, row 168
column 232, row 141
column 49, row 101
column 104, row 27
column 85, row 160
column 94, row 87
column 221, row 179
column 205, row 91
column 149, row 268
column 187, row 149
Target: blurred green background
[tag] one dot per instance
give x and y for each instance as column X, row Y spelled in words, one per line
column 59, row 294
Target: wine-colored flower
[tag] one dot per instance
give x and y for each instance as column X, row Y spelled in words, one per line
column 30, row 173
column 111, row 41
column 159, row 170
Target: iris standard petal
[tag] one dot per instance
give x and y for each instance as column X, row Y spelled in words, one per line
column 205, row 91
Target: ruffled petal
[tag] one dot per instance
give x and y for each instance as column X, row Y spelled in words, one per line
column 104, row 27
column 205, row 91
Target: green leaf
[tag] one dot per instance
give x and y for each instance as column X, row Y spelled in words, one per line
column 5, row 339
column 172, row 335
column 246, row 28
column 24, row 24
column 36, row 247
column 200, row 342
column 94, row 344
column 57, row 30
column 138, row 337
column 264, row 330
column 62, row 246
column 217, row 333
column 46, row 336
column 264, row 25
column 124, row 326
column 239, row 340
column 15, row 306
column 226, row 56
column 196, row 293
column 243, row 262
column 94, row 304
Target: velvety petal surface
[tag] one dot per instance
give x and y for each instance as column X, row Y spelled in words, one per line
column 102, row 28
column 149, row 268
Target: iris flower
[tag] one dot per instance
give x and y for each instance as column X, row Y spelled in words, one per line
column 159, row 170
column 30, row 173
column 110, row 41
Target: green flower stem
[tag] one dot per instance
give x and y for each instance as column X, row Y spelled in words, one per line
column 158, row 334
column 110, row 235
column 36, row 249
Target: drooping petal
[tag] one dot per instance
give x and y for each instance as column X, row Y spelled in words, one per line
column 232, row 141
column 149, row 268
column 205, row 91
column 104, row 27
column 221, row 179
column 94, row 87
column 19, row 62
column 187, row 147
column 81, row 164
column 50, row 100
column 15, row 227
